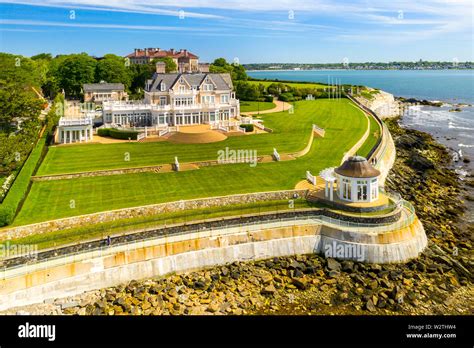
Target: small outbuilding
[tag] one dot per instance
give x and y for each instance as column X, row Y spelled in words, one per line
column 357, row 180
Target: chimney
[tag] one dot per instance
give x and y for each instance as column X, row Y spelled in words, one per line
column 136, row 51
column 146, row 52
column 172, row 51
column 160, row 67
column 186, row 53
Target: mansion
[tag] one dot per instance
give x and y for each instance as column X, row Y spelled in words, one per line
column 184, row 60
column 175, row 99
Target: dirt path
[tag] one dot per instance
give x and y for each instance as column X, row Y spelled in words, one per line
column 279, row 106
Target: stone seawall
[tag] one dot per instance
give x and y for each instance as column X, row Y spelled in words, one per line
column 75, row 274
column 147, row 210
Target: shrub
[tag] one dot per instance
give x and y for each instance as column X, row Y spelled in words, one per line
column 286, row 97
column 248, row 127
column 19, row 189
column 118, row 133
column 103, row 132
column 268, row 98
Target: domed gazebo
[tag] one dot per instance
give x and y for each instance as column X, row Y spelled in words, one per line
column 357, row 180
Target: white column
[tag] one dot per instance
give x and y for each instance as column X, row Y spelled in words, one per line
column 326, row 189
column 331, row 194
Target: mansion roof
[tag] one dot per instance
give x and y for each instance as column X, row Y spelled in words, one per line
column 103, row 87
column 160, row 53
column 195, row 80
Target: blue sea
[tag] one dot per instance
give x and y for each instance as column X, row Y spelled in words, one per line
column 454, row 129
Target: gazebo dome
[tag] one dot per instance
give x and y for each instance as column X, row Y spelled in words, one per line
column 357, row 167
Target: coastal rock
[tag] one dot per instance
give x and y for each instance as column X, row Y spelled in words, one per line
column 333, row 264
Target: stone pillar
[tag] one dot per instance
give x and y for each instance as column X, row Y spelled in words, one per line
column 331, row 191
column 326, row 189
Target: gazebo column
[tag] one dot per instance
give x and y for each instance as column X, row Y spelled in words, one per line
column 326, row 189
column 331, row 191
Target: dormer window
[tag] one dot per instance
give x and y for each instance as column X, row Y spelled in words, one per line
column 162, row 87
column 182, row 89
column 208, row 87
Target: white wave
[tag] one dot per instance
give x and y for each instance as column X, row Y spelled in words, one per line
column 459, row 127
column 464, row 145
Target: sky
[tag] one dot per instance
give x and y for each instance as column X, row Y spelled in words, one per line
column 256, row 31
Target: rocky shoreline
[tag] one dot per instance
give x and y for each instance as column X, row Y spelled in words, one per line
column 438, row 282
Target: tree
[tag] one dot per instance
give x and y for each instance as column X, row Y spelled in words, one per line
column 18, row 103
column 139, row 74
column 236, row 71
column 112, row 68
column 170, row 65
column 43, row 56
column 74, row 71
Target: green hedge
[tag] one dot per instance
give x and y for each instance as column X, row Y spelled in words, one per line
column 247, row 127
column 118, row 133
column 19, row 189
column 268, row 98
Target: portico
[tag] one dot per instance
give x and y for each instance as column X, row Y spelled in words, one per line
column 75, row 130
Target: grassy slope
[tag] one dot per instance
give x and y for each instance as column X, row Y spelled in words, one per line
column 344, row 125
column 372, row 139
column 247, row 106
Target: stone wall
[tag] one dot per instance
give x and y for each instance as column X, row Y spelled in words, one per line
column 147, row 210
column 121, row 171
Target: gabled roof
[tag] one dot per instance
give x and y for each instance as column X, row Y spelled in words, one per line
column 221, row 81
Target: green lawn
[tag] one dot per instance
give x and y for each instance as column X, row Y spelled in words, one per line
column 289, row 136
column 292, row 84
column 247, row 106
column 344, row 125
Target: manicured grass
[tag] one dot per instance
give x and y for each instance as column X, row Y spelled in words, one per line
column 247, row 106
column 289, row 136
column 292, row 84
column 372, row 139
column 343, row 123
column 124, row 226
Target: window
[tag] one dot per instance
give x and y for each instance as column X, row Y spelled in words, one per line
column 182, row 89
column 224, row 98
column 162, row 87
column 208, row 87
column 207, row 99
column 346, row 189
column 162, row 100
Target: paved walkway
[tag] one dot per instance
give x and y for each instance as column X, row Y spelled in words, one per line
column 279, row 106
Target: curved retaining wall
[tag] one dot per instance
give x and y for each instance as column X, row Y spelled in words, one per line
column 74, row 274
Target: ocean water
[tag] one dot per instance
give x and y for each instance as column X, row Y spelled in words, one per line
column 453, row 129
column 453, row 86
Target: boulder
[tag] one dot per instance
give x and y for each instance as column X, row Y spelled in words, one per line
column 333, row 265
column 268, row 290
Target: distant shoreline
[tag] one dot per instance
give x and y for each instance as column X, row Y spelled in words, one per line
column 339, row 69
